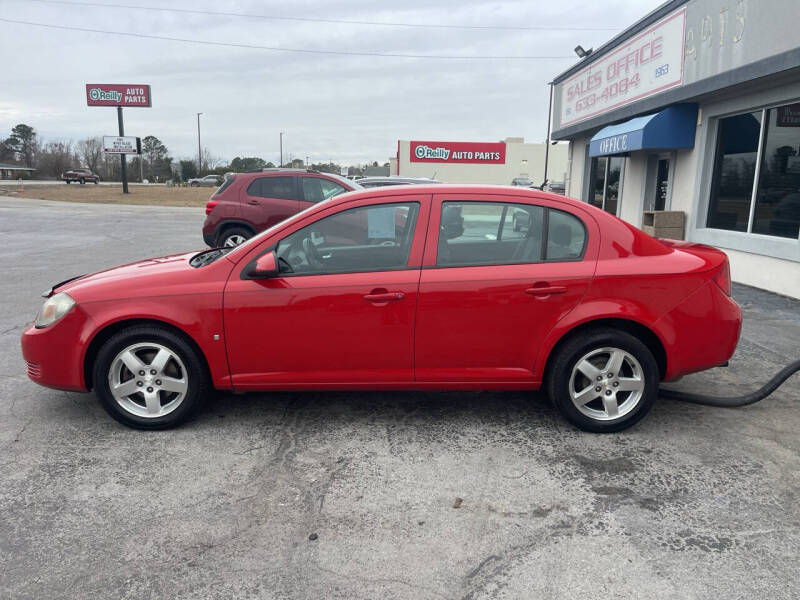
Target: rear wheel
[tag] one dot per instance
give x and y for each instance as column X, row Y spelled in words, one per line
column 148, row 377
column 233, row 237
column 82, row 181
column 604, row 380
column 68, row 182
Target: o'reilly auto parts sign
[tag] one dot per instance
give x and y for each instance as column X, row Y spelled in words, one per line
column 493, row 153
column 115, row 94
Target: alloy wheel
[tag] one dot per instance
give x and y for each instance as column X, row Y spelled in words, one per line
column 234, row 240
column 148, row 380
column 606, row 384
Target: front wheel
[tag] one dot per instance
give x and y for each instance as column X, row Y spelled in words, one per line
column 68, row 182
column 82, row 181
column 148, row 377
column 604, row 380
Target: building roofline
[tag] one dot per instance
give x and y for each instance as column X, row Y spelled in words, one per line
column 621, row 37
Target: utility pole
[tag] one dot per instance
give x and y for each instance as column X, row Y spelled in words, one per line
column 199, row 151
column 122, row 156
column 307, row 165
column 281, row 138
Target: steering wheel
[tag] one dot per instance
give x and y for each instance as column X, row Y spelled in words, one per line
column 312, row 256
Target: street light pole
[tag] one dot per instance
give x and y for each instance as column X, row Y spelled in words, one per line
column 281, row 137
column 199, row 151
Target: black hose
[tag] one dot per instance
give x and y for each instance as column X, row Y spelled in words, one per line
column 734, row 401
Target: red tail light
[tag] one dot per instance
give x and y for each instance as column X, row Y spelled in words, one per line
column 210, row 206
column 723, row 278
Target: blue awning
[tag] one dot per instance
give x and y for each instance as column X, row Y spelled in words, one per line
column 668, row 129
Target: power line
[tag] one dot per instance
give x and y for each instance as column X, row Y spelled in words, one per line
column 277, row 48
column 320, row 20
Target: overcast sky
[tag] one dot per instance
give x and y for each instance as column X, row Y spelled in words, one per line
column 347, row 108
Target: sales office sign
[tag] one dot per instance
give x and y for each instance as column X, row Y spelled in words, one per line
column 649, row 63
column 114, row 94
column 493, row 153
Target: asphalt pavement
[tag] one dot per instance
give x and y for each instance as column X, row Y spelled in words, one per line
column 354, row 495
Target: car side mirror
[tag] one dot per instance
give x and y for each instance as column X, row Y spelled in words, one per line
column 266, row 266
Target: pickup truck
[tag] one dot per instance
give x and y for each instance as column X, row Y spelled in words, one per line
column 80, row 175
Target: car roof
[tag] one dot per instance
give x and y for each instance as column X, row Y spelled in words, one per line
column 396, row 179
column 463, row 188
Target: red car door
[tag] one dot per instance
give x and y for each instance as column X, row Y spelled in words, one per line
column 342, row 310
column 270, row 199
column 500, row 275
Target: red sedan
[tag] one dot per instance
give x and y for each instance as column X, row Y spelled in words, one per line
column 430, row 287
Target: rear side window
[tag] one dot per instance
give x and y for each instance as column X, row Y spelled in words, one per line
column 496, row 233
column 317, row 189
column 229, row 179
column 566, row 236
column 272, row 187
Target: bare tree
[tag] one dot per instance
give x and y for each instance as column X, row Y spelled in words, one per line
column 208, row 162
column 56, row 157
column 90, row 152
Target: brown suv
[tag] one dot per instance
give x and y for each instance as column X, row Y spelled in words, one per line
column 247, row 203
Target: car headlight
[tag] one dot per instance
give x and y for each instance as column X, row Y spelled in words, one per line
column 53, row 309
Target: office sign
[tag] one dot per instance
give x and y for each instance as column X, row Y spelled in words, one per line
column 493, row 153
column 112, row 94
column 121, row 145
column 647, row 64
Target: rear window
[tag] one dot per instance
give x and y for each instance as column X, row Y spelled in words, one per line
column 273, row 187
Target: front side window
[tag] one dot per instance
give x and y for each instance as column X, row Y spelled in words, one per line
column 272, row 187
column 316, row 189
column 368, row 238
column 495, row 233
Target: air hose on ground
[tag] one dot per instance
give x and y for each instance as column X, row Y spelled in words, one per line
column 735, row 401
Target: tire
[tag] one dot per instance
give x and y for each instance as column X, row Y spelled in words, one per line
column 82, row 181
column 603, row 411
column 96, row 181
column 233, row 236
column 68, row 182
column 182, row 372
column 194, row 184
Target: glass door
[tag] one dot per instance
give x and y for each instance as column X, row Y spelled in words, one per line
column 605, row 181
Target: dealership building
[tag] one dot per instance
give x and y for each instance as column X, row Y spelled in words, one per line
column 480, row 162
column 688, row 124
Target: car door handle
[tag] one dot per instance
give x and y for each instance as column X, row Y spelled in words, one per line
column 253, row 202
column 384, row 297
column 545, row 290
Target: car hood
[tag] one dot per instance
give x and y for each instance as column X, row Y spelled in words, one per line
column 162, row 276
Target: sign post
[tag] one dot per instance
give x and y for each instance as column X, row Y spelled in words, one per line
column 119, row 95
column 122, row 156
